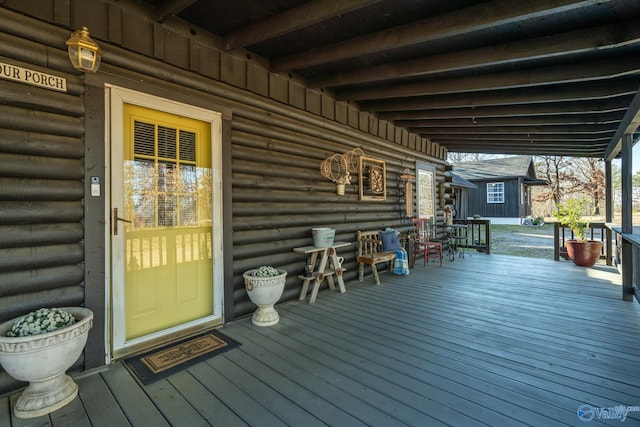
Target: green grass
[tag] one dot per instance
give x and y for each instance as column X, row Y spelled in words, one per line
column 518, row 240
column 546, row 229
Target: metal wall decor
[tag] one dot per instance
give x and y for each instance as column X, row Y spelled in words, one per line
column 373, row 179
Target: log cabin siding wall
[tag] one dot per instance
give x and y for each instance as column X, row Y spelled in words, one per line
column 41, row 187
column 280, row 133
column 279, row 195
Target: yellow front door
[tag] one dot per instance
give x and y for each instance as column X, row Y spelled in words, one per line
column 167, row 187
column 163, row 226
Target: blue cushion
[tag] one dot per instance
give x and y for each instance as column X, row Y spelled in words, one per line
column 390, row 241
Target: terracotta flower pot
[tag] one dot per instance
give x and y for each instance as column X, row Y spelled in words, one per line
column 584, row 254
column 42, row 360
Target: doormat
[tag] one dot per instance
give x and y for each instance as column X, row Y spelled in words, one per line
column 160, row 363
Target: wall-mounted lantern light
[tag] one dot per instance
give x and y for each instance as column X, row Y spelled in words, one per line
column 84, row 53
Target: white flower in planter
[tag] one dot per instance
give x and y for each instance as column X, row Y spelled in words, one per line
column 266, row 271
column 41, row 321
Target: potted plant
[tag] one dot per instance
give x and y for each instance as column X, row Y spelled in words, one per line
column 264, row 286
column 581, row 251
column 38, row 348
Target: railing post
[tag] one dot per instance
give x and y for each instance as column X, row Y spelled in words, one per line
column 609, row 209
column 627, row 270
column 487, row 236
column 556, row 241
column 627, row 222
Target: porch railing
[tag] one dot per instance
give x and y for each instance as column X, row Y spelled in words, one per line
column 597, row 231
column 627, row 254
column 480, row 233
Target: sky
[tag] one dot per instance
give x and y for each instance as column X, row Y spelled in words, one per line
column 635, row 160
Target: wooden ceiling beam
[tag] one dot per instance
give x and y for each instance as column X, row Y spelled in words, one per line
column 527, row 149
column 538, row 110
column 586, row 71
column 629, row 125
column 558, row 129
column 547, row 47
column 540, row 144
column 476, row 122
column 456, row 23
column 498, row 99
column 577, row 130
column 518, row 138
column 169, row 8
column 291, row 20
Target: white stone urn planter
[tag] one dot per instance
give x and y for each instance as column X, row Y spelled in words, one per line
column 42, row 360
column 265, row 292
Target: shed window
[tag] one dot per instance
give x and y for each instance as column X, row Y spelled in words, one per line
column 495, row 192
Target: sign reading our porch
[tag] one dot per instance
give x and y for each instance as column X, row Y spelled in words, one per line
column 32, row 77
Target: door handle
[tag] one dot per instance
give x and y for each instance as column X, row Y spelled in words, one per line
column 116, row 218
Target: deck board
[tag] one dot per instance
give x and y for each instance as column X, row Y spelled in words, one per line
column 100, row 405
column 173, row 405
column 320, row 381
column 241, row 403
column 445, row 387
column 75, row 415
column 5, row 412
column 487, row 340
column 252, row 358
column 278, row 404
column 131, row 398
column 210, row 407
column 325, row 349
column 455, row 357
column 43, row 421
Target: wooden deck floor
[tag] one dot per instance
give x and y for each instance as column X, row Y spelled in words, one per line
column 488, row 340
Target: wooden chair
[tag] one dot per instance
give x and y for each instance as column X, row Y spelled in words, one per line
column 422, row 243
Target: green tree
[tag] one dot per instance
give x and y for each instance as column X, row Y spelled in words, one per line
column 635, row 183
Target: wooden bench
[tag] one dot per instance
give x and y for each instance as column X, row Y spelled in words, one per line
column 370, row 252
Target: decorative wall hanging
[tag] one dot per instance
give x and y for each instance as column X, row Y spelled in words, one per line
column 352, row 158
column 335, row 169
column 339, row 168
column 408, row 179
column 373, row 179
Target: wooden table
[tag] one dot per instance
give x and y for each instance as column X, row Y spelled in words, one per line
column 327, row 267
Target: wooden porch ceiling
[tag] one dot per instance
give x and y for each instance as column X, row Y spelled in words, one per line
column 503, row 76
